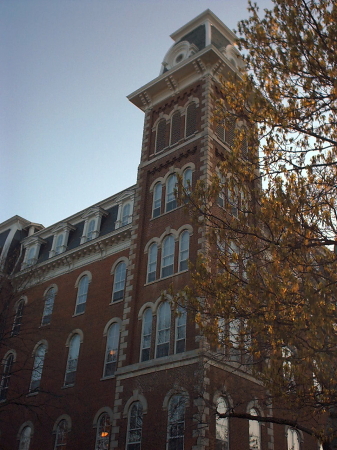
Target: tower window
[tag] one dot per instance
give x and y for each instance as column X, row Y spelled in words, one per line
column 167, row 265
column 146, row 335
column 157, row 192
column 171, row 201
column 74, row 349
column 163, row 330
column 161, row 136
column 111, row 354
column 82, row 295
column 152, row 263
column 191, row 119
column 175, row 128
column 119, row 281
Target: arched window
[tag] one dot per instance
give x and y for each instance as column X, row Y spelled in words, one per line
column 48, row 306
column 18, row 317
column 229, row 131
column 146, row 335
column 180, row 335
column 184, row 245
column 25, row 437
column 61, row 435
column 6, row 375
column 187, row 179
column 91, row 229
column 74, row 349
column 254, row 432
column 126, row 216
column 37, row 367
column 176, row 423
column 161, row 136
column 111, row 353
column 222, row 428
column 103, row 432
column 163, row 330
column 119, row 281
column 157, row 193
column 191, row 119
column 171, row 184
column 135, row 426
column 59, row 244
column 152, row 263
column 167, row 264
column 293, row 439
column 82, row 294
column 175, row 128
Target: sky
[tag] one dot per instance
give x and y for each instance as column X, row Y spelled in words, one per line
column 69, row 137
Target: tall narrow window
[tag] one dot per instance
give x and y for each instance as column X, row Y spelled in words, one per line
column 161, row 136
column 59, row 244
column 119, row 281
column 135, row 426
column 220, row 130
column 293, row 439
column 187, row 179
column 191, row 119
column 37, row 368
column 6, row 375
column 235, row 338
column 254, row 432
column 25, row 438
column 74, row 349
column 167, row 264
column 82, row 294
column 146, row 335
column 184, row 245
column 157, row 193
column 91, row 229
column 31, row 258
column 175, row 128
column 48, row 306
column 176, row 423
column 171, row 201
column 111, row 353
column 103, row 432
column 152, row 263
column 229, row 131
column 126, row 216
column 222, row 428
column 61, row 435
column 180, row 337
column 18, row 318
column 163, row 330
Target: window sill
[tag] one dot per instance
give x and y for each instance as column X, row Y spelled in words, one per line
column 114, row 302
column 66, row 386
column 78, row 314
column 108, row 377
column 165, row 278
column 32, row 394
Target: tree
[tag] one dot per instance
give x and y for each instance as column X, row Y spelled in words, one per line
column 270, row 213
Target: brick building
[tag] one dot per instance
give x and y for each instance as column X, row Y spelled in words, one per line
column 94, row 354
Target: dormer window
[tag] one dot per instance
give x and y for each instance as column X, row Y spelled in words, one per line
column 61, row 236
column 32, row 245
column 124, row 216
column 92, row 224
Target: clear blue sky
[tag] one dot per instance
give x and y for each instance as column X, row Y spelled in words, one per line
column 68, row 135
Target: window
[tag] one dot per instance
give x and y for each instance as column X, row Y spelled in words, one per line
column 74, row 349
column 157, row 192
column 233, row 197
column 187, row 179
column 31, row 259
column 135, row 427
column 37, row 368
column 25, row 436
column 119, row 281
column 111, row 353
column 161, row 136
column 220, row 130
column 191, row 119
column 163, row 330
column 176, row 423
column 103, row 432
column 6, row 375
column 254, row 432
column 91, row 230
column 184, row 244
column 61, row 435
column 167, row 264
column 221, row 427
column 82, row 294
column 175, row 128
column 152, row 263
column 229, row 131
column 59, row 244
column 180, row 337
column 48, row 306
column 126, row 216
column 234, row 338
column 293, row 439
column 171, row 201
column 18, row 318
column 146, row 335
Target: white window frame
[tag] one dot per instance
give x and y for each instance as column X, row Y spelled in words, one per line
column 17, row 323
column 39, row 357
column 118, row 292
column 145, row 347
column 135, row 426
column 167, row 257
column 184, row 250
column 48, row 305
column 82, row 294
column 93, row 214
column 163, row 330
column 72, row 360
column 32, row 245
column 254, row 431
column 222, row 423
column 176, row 422
column 124, row 219
column 152, row 263
column 25, row 437
column 180, row 330
column 292, row 442
column 112, row 349
column 157, row 199
column 61, row 232
column 170, row 198
column 103, row 431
